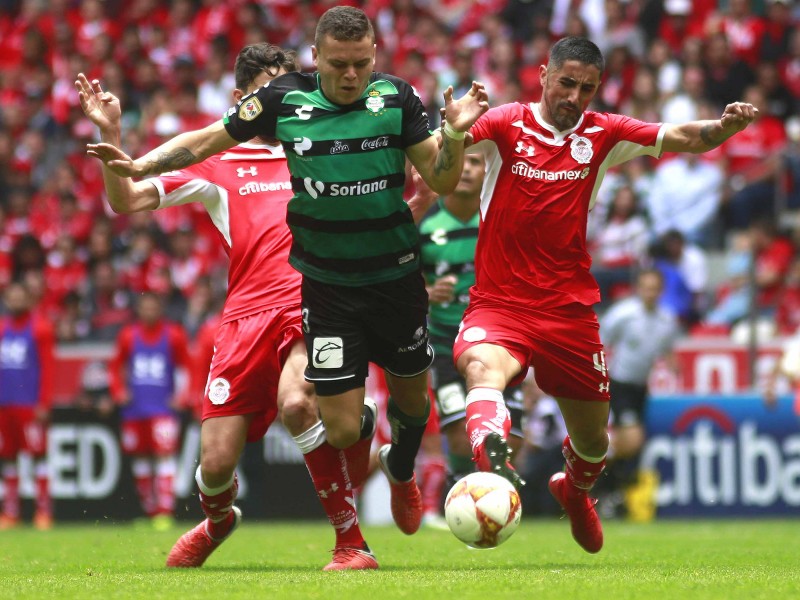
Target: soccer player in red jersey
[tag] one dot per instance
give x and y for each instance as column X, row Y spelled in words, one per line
column 26, row 374
column 257, row 369
column 532, row 301
column 142, row 377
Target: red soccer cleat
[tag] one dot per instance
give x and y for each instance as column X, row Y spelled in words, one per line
column 406, row 497
column 358, row 454
column 492, row 456
column 351, row 559
column 195, row 546
column 586, row 527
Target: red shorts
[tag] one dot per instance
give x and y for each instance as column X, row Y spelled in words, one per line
column 21, row 432
column 153, row 436
column 562, row 344
column 249, row 354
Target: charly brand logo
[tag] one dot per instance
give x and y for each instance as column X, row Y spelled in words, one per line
column 327, row 352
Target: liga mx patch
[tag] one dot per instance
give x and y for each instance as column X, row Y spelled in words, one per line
column 327, row 353
column 219, row 390
column 250, row 109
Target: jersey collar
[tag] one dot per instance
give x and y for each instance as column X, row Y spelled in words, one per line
column 559, row 136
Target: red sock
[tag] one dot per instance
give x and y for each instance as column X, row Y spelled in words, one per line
column 486, row 413
column 433, row 471
column 328, row 469
column 143, row 477
column 217, row 506
column 581, row 473
column 357, row 457
column 11, row 499
column 44, row 504
column 165, row 490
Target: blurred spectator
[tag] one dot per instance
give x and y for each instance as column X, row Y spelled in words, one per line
column 787, row 313
column 108, row 305
column 774, row 253
column 741, row 28
column 620, row 245
column 678, row 24
column 95, row 393
column 778, row 100
column 621, row 30
column 778, row 27
column 734, row 295
column 726, row 76
column 684, row 106
column 644, row 102
column 685, row 195
column 27, row 255
column 214, row 91
column 64, row 271
column 684, row 268
column 665, row 67
column 753, row 160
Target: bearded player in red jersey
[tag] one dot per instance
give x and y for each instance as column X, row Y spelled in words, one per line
column 257, row 368
column 532, row 301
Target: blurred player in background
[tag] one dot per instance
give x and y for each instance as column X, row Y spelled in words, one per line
column 448, row 235
column 26, row 376
column 637, row 332
column 532, row 301
column 347, row 132
column 143, row 374
column 259, row 358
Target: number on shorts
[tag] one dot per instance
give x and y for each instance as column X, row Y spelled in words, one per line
column 599, row 359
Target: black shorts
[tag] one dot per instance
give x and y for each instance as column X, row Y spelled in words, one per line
column 627, row 403
column 450, row 393
column 345, row 328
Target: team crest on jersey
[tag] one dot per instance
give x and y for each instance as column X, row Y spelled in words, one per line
column 250, row 109
column 581, row 149
column 375, row 104
column 219, row 390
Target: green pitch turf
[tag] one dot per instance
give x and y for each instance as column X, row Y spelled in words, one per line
column 663, row 560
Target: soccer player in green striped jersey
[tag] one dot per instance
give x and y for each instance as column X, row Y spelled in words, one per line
column 448, row 235
column 347, row 131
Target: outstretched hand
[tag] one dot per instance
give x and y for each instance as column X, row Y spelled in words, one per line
column 102, row 108
column 115, row 159
column 461, row 114
column 737, row 116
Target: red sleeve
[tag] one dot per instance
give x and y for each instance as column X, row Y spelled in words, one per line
column 117, row 365
column 45, row 342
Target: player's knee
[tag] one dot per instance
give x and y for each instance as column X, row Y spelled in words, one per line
column 298, row 412
column 342, row 437
column 218, row 466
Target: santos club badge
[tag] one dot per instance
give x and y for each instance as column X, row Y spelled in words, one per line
column 375, row 104
column 581, row 149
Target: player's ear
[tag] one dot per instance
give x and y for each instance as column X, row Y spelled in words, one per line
column 314, row 55
column 238, row 95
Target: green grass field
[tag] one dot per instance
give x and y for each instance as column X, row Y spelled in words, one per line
column 666, row 559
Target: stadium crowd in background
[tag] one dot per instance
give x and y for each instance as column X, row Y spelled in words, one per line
column 171, row 62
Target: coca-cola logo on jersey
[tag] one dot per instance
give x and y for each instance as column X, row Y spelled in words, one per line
column 375, row 143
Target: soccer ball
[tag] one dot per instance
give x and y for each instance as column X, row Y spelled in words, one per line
column 483, row 510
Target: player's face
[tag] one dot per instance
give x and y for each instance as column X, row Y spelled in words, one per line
column 344, row 67
column 471, row 175
column 16, row 299
column 149, row 310
column 566, row 92
column 650, row 289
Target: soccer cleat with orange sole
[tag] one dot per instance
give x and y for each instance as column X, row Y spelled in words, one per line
column 586, row 527
column 7, row 522
column 406, row 497
column 43, row 521
column 195, row 546
column 493, row 455
column 351, row 559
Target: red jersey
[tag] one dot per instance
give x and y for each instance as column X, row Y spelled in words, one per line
column 540, row 185
column 245, row 191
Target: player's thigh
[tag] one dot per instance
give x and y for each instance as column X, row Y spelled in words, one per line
column 246, row 367
column 335, row 337
column 12, row 441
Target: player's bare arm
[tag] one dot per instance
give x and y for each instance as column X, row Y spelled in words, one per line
column 104, row 110
column 701, row 136
column 440, row 166
column 183, row 150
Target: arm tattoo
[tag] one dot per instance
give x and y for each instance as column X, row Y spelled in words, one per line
column 710, row 134
column 444, row 160
column 170, row 161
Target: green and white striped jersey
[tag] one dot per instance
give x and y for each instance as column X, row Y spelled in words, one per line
column 349, row 222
